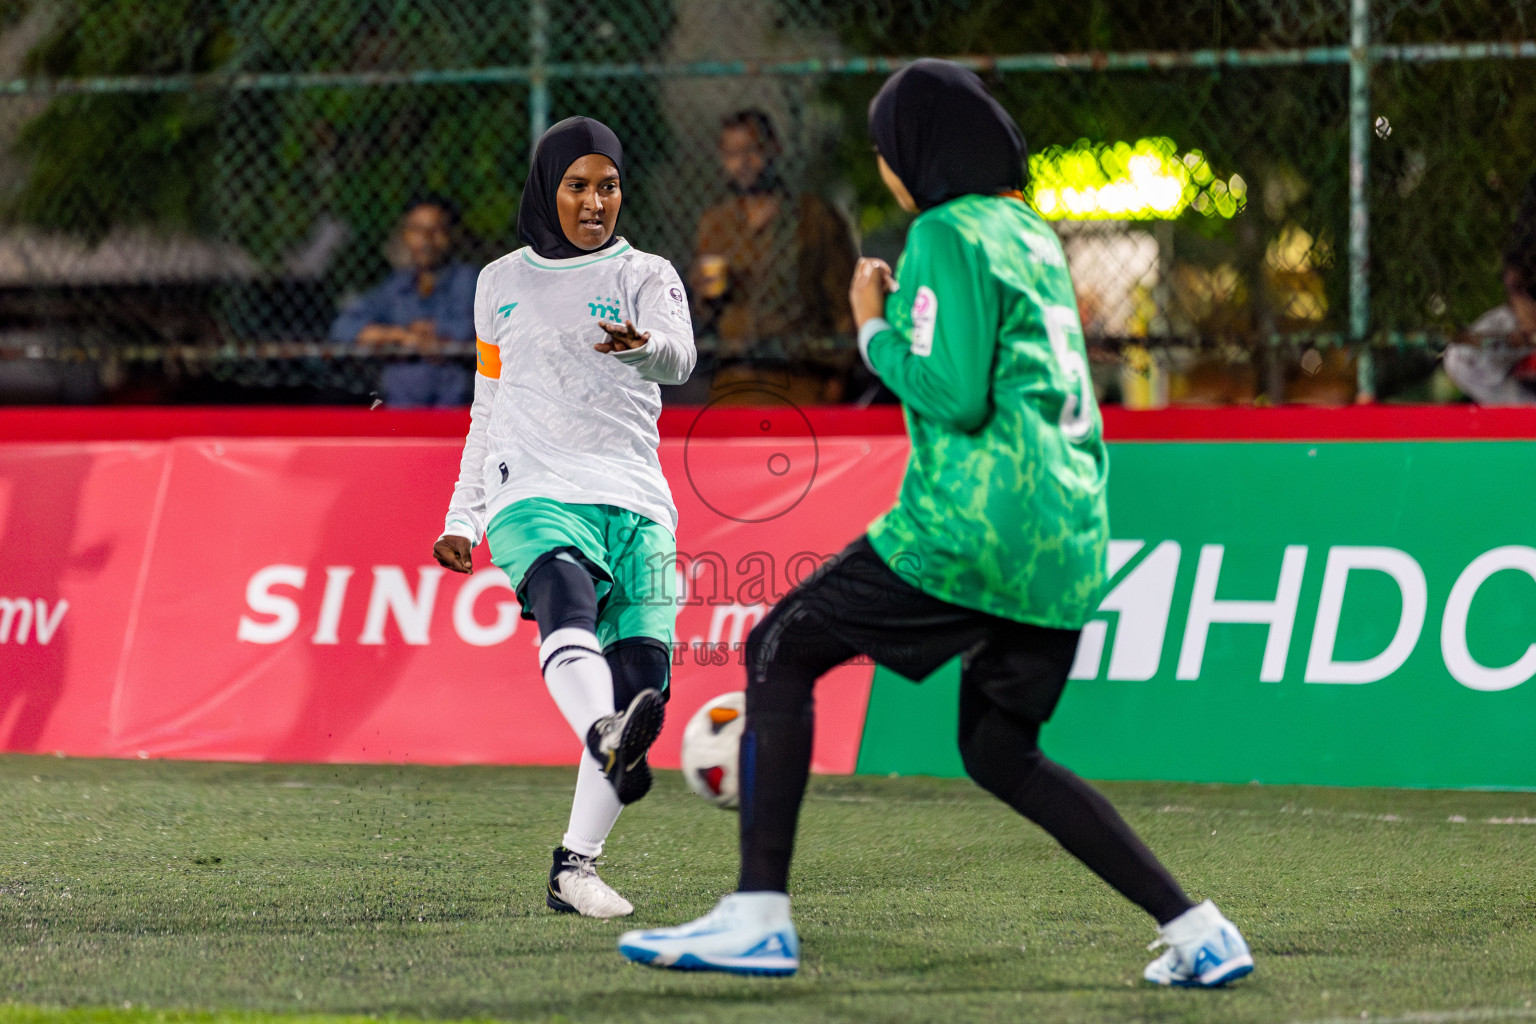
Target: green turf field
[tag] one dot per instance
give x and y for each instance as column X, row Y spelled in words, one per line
column 255, row 891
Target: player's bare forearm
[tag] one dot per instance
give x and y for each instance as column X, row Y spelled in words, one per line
column 621, row 337
column 381, row 334
column 453, row 553
column 1522, row 303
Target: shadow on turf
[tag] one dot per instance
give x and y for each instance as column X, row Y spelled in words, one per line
column 813, row 984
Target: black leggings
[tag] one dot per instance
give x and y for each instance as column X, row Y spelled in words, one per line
column 561, row 595
column 1011, row 677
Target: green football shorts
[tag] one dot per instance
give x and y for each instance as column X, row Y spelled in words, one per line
column 626, row 553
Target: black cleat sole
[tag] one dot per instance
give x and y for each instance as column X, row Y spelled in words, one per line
column 555, row 903
column 629, row 774
column 635, row 783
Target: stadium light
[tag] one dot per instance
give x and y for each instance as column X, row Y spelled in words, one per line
column 1144, row 180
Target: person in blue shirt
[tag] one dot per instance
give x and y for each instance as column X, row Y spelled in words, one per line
column 418, row 308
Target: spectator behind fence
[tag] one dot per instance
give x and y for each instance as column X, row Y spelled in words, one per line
column 1496, row 366
column 418, row 308
column 770, row 277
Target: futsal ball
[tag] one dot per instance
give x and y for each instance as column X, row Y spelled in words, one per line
column 711, row 742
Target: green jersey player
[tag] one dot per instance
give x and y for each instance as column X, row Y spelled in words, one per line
column 994, row 551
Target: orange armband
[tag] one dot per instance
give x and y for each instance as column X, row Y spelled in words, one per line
column 487, row 359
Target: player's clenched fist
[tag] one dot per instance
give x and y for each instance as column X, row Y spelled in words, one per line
column 453, row 553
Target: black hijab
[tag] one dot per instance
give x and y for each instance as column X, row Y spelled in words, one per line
column 538, row 222
column 944, row 135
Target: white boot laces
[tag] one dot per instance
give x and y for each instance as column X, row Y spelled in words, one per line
column 585, row 867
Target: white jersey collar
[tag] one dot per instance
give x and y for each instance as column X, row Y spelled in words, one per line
column 572, row 262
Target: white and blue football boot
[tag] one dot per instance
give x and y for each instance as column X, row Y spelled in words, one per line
column 1205, row 950
column 746, row 933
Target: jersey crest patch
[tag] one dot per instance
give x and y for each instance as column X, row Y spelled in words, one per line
column 605, row 309
column 925, row 317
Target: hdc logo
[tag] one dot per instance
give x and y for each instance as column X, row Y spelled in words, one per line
column 1143, row 603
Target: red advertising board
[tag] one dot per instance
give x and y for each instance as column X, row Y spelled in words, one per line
column 267, row 595
column 74, row 523
column 275, row 599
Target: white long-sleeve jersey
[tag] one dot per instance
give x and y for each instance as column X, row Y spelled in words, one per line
column 552, row 417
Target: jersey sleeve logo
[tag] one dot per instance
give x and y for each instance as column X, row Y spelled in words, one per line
column 925, row 318
column 679, row 304
column 487, row 359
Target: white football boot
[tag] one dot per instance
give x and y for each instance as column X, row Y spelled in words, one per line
column 574, row 888
column 747, row 933
column 1204, row 950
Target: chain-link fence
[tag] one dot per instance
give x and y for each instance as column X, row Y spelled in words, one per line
column 1256, row 198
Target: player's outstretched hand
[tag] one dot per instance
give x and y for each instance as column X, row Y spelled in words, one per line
column 453, row 553
column 872, row 282
column 621, row 338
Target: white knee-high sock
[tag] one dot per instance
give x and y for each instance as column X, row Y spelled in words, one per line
column 578, row 677
column 593, row 811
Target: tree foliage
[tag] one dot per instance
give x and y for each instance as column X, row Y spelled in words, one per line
column 1443, row 185
column 96, row 161
column 258, row 156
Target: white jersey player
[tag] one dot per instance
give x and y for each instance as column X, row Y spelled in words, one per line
column 560, row 474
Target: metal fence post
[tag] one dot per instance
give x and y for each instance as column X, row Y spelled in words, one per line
column 1359, row 198
column 538, row 72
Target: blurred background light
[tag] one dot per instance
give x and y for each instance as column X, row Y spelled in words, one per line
column 1143, row 180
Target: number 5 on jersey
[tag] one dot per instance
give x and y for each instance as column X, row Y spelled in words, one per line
column 1061, row 326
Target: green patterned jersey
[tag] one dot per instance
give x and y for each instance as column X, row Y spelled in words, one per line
column 1002, row 507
